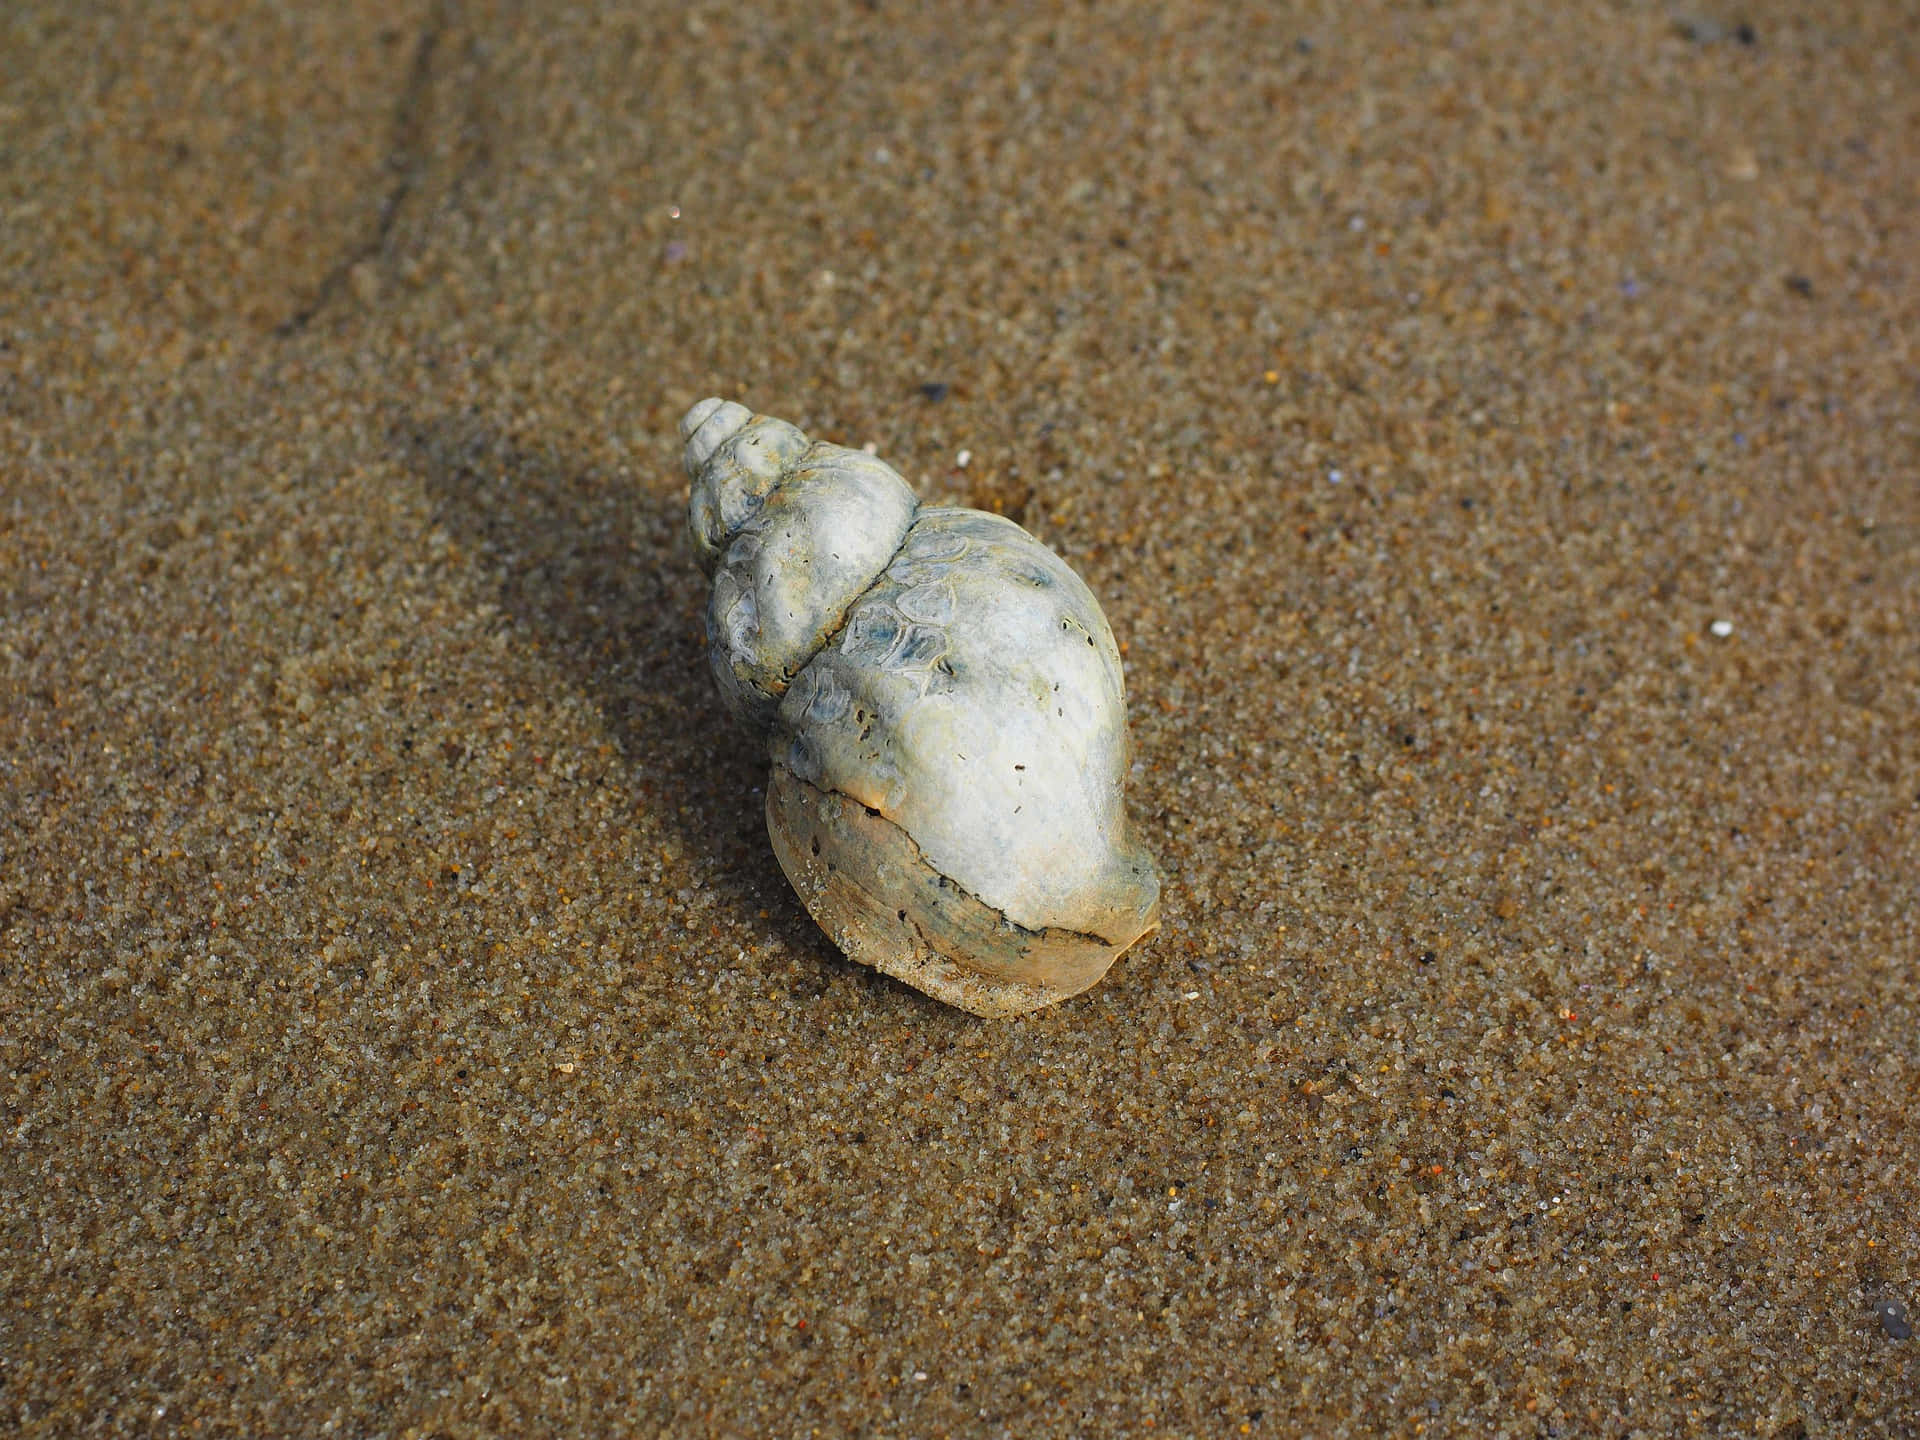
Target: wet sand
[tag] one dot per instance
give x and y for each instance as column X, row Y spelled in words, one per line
column 1494, row 433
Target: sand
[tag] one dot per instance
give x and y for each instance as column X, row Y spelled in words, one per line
column 1494, row 433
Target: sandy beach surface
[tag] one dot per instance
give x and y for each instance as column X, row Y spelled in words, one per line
column 1494, row 433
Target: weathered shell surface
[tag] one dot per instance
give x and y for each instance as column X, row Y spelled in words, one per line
column 944, row 713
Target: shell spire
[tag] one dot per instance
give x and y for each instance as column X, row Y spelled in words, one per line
column 944, row 713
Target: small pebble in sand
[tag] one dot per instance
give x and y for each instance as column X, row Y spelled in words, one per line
column 1721, row 629
column 1893, row 1318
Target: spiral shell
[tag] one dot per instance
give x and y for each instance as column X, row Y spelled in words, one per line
column 944, row 713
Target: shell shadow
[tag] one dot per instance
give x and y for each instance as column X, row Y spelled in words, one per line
column 597, row 569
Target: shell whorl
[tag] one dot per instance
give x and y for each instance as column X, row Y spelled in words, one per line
column 792, row 532
column 734, row 459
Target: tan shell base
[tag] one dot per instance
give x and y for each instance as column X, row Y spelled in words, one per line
column 867, row 885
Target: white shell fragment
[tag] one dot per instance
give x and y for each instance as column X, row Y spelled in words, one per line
column 944, row 712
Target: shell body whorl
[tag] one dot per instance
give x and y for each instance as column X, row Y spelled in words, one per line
column 944, row 713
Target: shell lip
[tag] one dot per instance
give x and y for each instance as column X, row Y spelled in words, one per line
column 950, row 943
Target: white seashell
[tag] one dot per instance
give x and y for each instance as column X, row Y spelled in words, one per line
column 944, row 712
